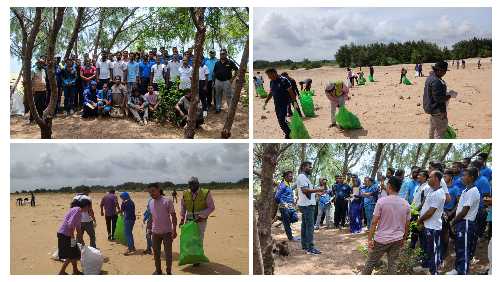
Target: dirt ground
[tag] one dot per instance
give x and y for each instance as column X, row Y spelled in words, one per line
column 388, row 110
column 33, row 237
column 340, row 254
column 73, row 127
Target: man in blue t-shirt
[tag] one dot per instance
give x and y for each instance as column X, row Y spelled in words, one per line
column 409, row 185
column 485, row 190
column 342, row 193
column 369, row 192
column 485, row 171
column 210, row 62
column 284, row 196
column 282, row 92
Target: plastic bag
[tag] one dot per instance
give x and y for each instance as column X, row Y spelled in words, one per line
column 191, row 248
column 361, row 81
column 370, row 78
column 91, row 260
column 305, row 92
column 307, row 105
column 119, row 231
column 346, row 119
column 406, row 81
column 261, row 92
column 298, row 129
column 450, row 133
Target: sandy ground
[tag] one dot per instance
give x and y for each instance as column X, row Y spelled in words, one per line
column 388, row 110
column 120, row 128
column 340, row 254
column 33, row 237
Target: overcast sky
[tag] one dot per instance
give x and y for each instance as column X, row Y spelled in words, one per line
column 317, row 33
column 56, row 165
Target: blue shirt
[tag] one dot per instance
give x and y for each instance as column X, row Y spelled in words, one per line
column 128, row 209
column 69, row 77
column 373, row 189
column 279, row 89
column 210, row 66
column 144, row 69
column 342, row 191
column 107, row 96
column 284, row 194
column 324, row 199
column 90, row 96
column 457, row 180
column 132, row 71
column 486, row 172
column 484, row 187
column 408, row 189
column 454, row 192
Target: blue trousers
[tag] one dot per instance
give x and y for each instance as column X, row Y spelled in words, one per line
column 465, row 231
column 286, row 221
column 432, row 250
column 128, row 226
column 69, row 97
column 307, row 233
column 281, row 111
column 368, row 211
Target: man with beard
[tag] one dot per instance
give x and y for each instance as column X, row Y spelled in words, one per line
column 307, row 204
column 342, row 193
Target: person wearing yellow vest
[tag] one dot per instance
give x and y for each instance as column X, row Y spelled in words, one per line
column 196, row 204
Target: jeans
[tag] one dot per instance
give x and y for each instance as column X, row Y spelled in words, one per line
column 368, row 211
column 222, row 88
column 148, row 236
column 307, row 232
column 167, row 240
column 128, row 226
column 286, row 222
column 111, row 223
column 89, row 228
column 281, row 111
column 324, row 211
column 69, row 97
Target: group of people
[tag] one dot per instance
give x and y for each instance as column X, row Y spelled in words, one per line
column 130, row 81
column 159, row 216
column 451, row 204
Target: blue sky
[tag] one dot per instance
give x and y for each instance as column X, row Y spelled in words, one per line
column 316, row 33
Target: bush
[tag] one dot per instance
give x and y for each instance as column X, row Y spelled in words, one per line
column 168, row 97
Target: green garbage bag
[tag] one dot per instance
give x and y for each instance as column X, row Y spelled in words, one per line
column 406, row 81
column 346, row 119
column 307, row 105
column 305, row 92
column 361, row 81
column 120, row 231
column 370, row 78
column 450, row 133
column 261, row 92
column 298, row 129
column 191, row 247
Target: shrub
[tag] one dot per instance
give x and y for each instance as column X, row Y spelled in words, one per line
column 168, row 97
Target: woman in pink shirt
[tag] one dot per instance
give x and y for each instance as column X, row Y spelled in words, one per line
column 67, row 245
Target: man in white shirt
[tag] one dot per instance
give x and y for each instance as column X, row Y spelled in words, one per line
column 103, row 70
column 185, row 71
column 431, row 218
column 203, row 87
column 465, row 223
column 307, row 204
column 173, row 66
column 88, row 221
column 119, row 67
column 157, row 74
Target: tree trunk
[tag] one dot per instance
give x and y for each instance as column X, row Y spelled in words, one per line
column 417, row 155
column 392, row 155
column 269, row 163
column 76, row 30
column 446, row 151
column 98, row 34
column 226, row 132
column 428, row 154
column 257, row 258
column 197, row 15
column 376, row 161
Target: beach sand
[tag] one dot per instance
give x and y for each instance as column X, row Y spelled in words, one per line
column 388, row 110
column 340, row 254
column 33, row 237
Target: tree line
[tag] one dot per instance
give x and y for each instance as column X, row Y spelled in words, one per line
column 138, row 187
column 292, row 65
column 410, row 52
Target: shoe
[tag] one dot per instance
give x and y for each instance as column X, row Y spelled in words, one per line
column 332, row 125
column 452, row 272
column 147, row 252
column 78, row 273
column 157, row 272
column 141, row 123
column 204, row 114
column 217, row 111
column 145, row 122
column 312, row 252
column 316, row 251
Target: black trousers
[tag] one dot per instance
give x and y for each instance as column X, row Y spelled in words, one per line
column 111, row 224
column 210, row 93
column 203, row 95
column 340, row 212
column 281, row 111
